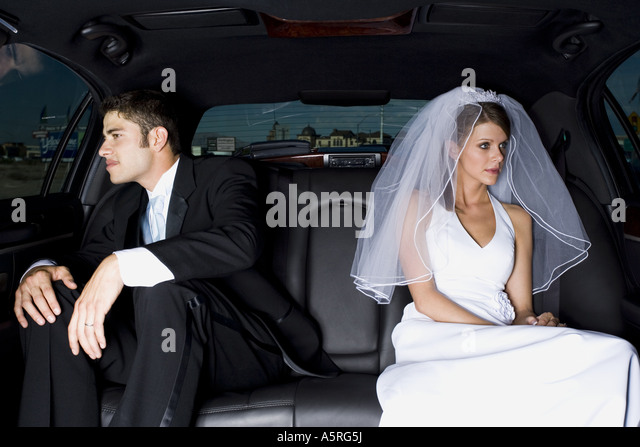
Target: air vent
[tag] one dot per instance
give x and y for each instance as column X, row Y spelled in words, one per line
column 570, row 43
column 115, row 40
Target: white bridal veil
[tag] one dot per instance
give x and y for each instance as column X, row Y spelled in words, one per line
column 420, row 175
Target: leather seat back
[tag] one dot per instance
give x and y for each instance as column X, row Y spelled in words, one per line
column 313, row 262
column 591, row 294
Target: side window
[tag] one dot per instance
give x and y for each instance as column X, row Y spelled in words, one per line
column 38, row 97
column 623, row 109
column 63, row 168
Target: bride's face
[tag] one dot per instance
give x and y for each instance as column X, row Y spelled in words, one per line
column 483, row 155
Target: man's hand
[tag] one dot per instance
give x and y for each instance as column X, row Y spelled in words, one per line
column 86, row 328
column 545, row 319
column 548, row 319
column 36, row 296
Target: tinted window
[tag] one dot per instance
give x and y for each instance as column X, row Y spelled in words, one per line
column 225, row 129
column 624, row 85
column 38, row 97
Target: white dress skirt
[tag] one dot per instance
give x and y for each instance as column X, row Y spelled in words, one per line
column 449, row 374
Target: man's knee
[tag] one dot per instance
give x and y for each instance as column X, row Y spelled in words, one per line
column 165, row 300
column 66, row 297
column 55, row 333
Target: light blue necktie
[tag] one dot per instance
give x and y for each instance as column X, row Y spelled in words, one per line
column 153, row 228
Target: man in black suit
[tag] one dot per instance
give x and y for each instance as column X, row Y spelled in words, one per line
column 136, row 302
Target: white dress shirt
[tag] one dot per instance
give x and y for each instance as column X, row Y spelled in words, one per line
column 138, row 266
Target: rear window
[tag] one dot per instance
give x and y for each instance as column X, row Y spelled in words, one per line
column 225, row 130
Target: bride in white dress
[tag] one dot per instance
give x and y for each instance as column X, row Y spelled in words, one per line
column 472, row 216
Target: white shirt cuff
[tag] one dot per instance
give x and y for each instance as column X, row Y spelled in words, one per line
column 141, row 268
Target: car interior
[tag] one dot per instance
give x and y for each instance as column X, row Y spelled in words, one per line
column 558, row 58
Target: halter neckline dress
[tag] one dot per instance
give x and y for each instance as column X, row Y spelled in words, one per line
column 450, row 374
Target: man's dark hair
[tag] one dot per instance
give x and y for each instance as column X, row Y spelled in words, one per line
column 148, row 109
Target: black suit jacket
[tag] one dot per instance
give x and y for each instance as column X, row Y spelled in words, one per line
column 212, row 230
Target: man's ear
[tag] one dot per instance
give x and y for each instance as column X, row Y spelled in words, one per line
column 158, row 137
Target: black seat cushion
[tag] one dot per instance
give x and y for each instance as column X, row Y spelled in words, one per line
column 348, row 400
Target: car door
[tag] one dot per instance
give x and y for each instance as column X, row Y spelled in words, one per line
column 619, row 104
column 47, row 119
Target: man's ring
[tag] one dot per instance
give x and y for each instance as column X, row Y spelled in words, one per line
column 88, row 324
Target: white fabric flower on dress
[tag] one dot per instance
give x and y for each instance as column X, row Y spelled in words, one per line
column 504, row 309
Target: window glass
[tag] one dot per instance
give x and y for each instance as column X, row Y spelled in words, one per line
column 68, row 157
column 624, row 84
column 225, row 129
column 38, row 97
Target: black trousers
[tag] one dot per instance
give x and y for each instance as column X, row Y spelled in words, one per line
column 168, row 344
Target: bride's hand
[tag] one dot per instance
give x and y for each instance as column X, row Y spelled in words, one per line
column 545, row 319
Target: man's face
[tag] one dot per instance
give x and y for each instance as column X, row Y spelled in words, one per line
column 126, row 160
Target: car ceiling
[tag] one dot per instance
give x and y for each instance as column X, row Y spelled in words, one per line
column 223, row 53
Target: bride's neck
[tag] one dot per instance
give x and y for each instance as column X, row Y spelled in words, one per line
column 470, row 195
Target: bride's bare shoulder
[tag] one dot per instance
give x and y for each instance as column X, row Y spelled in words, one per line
column 519, row 217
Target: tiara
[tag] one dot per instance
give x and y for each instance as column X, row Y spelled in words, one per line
column 480, row 95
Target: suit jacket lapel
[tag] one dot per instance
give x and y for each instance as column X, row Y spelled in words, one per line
column 183, row 185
